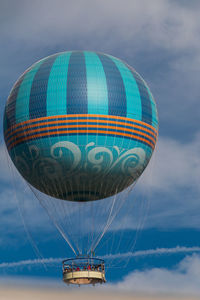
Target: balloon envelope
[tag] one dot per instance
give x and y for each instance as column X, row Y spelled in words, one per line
column 80, row 125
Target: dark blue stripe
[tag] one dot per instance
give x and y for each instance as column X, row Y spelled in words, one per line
column 115, row 86
column 11, row 106
column 145, row 98
column 72, row 134
column 77, row 85
column 38, row 95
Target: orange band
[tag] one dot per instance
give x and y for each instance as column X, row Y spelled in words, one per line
column 80, row 126
column 7, row 135
column 79, row 116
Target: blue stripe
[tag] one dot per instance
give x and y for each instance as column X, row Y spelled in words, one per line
column 115, row 86
column 38, row 95
column 145, row 99
column 77, row 84
column 11, row 103
column 96, row 85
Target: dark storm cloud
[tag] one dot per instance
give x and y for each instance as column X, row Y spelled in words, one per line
column 192, row 4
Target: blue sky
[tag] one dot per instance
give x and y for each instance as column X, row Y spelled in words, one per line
column 160, row 40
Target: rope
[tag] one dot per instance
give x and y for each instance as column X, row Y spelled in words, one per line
column 28, row 234
column 54, row 222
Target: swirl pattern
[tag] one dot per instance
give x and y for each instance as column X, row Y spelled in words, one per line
column 69, row 171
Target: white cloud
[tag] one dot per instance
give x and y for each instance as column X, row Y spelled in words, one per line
column 174, row 180
column 31, row 262
column 167, row 194
column 143, row 253
column 184, row 279
column 20, row 210
column 174, row 165
column 152, row 252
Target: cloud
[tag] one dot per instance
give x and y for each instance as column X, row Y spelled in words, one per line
column 165, row 23
column 167, row 194
column 152, row 252
column 143, row 253
column 20, row 212
column 174, row 165
column 29, row 262
column 184, row 279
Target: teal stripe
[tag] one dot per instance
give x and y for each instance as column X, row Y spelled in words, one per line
column 22, row 102
column 57, row 86
column 134, row 108
column 96, row 85
column 154, row 110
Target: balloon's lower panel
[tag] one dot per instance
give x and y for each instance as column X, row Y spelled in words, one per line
column 81, row 168
column 84, row 277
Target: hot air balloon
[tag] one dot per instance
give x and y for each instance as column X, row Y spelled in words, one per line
column 80, row 127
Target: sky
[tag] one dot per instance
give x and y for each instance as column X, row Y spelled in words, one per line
column 159, row 38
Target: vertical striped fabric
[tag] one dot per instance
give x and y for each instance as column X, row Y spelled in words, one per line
column 81, row 82
column 38, row 95
column 133, row 101
column 11, row 103
column 115, row 87
column 57, row 97
column 22, row 109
